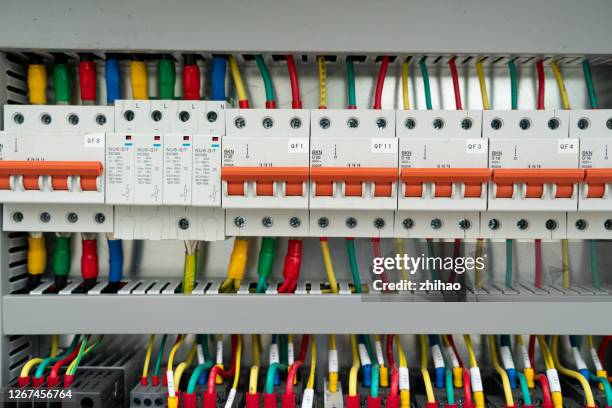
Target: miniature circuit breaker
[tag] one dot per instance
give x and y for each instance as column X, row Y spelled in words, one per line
column 353, row 173
column 535, row 174
column 443, row 174
column 52, row 157
column 594, row 130
column 164, row 169
column 265, row 172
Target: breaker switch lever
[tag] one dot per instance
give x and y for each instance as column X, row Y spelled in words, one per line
column 535, row 181
column 32, row 172
column 353, row 179
column 445, row 181
column 268, row 180
column 598, row 182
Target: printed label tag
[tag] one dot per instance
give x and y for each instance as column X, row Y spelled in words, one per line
column 297, row 145
column 230, row 398
column 274, row 353
column 436, row 354
column 379, row 352
column 308, row 398
column 333, row 361
column 200, row 354
column 381, row 145
column 475, row 146
column 553, row 380
column 569, row 146
column 404, row 378
column 506, row 356
column 95, row 140
column 580, row 364
column 363, row 355
column 476, row 379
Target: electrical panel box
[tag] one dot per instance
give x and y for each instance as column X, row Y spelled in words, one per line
column 594, row 130
column 535, row 174
column 443, row 168
column 264, row 172
column 353, row 172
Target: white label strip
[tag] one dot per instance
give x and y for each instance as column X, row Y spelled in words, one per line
column 274, row 353
column 379, row 353
column 363, row 355
column 580, row 364
column 384, row 145
column 230, row 398
column 475, row 146
column 436, row 354
column 200, row 354
column 525, row 355
column 506, row 356
column 404, row 378
column 308, row 398
column 567, row 146
column 297, row 145
column 553, row 380
column 290, row 354
column 170, row 379
column 333, row 361
column 453, row 357
column 595, row 358
column 476, row 379
column 219, row 352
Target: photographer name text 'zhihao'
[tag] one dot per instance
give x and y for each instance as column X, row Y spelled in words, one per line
column 411, row 264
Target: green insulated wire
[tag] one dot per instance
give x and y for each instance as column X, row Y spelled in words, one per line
column 80, row 355
column 513, row 84
column 160, row 355
column 350, row 81
column 267, row 253
column 375, row 379
column 166, row 78
column 524, row 389
column 350, row 248
column 270, row 376
column 425, row 75
column 586, row 68
column 283, row 345
column 594, row 264
column 61, row 256
column 509, row 263
column 61, row 84
column 265, row 75
column 450, row 393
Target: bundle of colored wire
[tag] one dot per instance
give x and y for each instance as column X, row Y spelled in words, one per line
column 61, row 82
column 204, row 364
column 138, row 78
column 600, row 355
column 243, row 100
column 166, row 77
column 475, row 379
column 400, row 380
column 190, row 267
column 588, row 394
column 89, row 260
column 502, row 373
column 24, row 376
column 180, row 369
column 217, row 75
column 524, row 389
column 172, row 398
column 453, row 69
column 217, row 370
column 292, row 265
column 115, row 261
column 350, row 81
column 295, row 365
column 40, row 371
column 145, row 367
column 53, row 378
column 61, row 260
column 296, row 102
column 579, row 361
column 237, row 266
column 425, row 75
column 431, row 400
column 380, row 82
column 191, row 78
column 37, row 82
column 551, row 374
column 36, row 259
column 353, row 265
column 87, row 80
column 72, row 368
column 365, row 360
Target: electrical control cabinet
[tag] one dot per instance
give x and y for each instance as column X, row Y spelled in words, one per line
column 443, row 174
column 353, row 173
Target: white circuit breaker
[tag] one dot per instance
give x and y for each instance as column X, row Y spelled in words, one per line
column 353, row 173
column 535, row 174
column 164, row 169
column 443, row 174
column 265, row 172
column 594, row 216
column 52, row 168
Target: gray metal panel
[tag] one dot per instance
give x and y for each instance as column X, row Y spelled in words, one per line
column 299, row 314
column 359, row 26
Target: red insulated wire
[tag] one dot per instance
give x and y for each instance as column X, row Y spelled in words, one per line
column 455, row 76
column 467, row 387
column 545, row 390
column 532, row 340
column 601, row 351
column 304, row 347
column 89, row 259
column 390, row 358
column 292, row 265
column 394, row 392
column 540, row 69
column 216, row 370
column 451, row 341
column 538, row 263
column 57, row 366
column 380, row 82
column 191, row 81
column 296, row 364
column 87, row 81
column 296, row 102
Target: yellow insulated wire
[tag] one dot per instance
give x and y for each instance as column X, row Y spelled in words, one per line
column 145, row 366
column 138, row 80
column 556, row 396
column 528, row 371
column 322, row 82
column 502, row 373
column 478, row 269
column 354, row 368
column 405, row 95
column 425, row 371
column 478, row 395
column 313, row 364
column 238, row 360
column 37, row 84
column 180, row 369
column 404, row 394
column 561, row 85
column 25, row 370
column 329, row 266
column 333, row 375
column 483, row 86
column 238, row 84
column 54, row 345
column 566, row 263
column 237, row 265
column 256, row 344
column 383, row 370
column 588, row 393
column 457, row 370
column 37, row 254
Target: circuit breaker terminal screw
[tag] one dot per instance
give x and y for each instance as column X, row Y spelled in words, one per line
column 101, row 119
column 211, row 116
column 267, row 222
column 379, row 223
column 581, row 224
column 351, row 222
column 493, row 224
column 45, row 217
column 267, row 122
column 496, row 124
column 464, row 224
column 100, row 218
column 184, row 116
column 553, row 124
column 608, row 225
column 72, row 217
column 438, row 124
column 73, row 119
column 18, row 216
column 525, row 124
column 352, row 123
column 551, row 225
column 156, row 116
column 18, row 118
column 522, row 224
column 410, row 124
column 323, row 222
column 45, row 119
column 466, row 124
column 408, row 223
column 295, row 123
column 583, row 123
column 239, row 221
column 436, row 223
column 128, row 115
column 240, row 122
column 381, row 123
column 609, row 123
column 295, row 222
column 324, row 123
column 183, row 223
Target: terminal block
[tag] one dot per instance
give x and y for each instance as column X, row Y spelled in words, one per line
column 535, row 176
column 443, row 174
column 353, row 173
column 265, row 172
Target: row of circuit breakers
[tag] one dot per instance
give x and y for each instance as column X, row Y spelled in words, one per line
column 198, row 170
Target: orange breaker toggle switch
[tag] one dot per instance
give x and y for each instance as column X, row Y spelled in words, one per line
column 353, row 179
column 292, row 179
column 596, row 181
column 59, row 171
column 443, row 179
column 535, row 179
